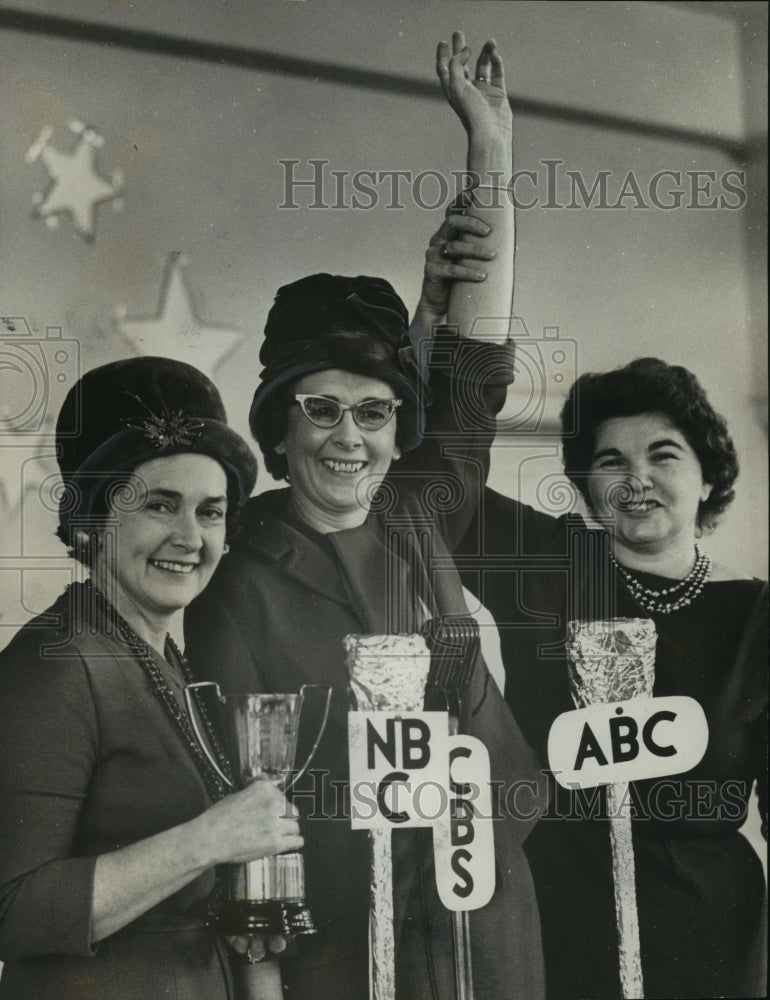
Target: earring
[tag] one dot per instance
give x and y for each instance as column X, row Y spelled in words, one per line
column 225, row 549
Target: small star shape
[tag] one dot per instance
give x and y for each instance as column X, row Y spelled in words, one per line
column 76, row 187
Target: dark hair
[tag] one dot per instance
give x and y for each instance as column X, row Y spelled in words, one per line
column 649, row 385
column 83, row 542
column 348, row 350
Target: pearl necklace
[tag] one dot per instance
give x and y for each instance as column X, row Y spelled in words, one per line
column 678, row 595
column 179, row 718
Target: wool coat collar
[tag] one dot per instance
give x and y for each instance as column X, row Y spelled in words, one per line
column 354, row 567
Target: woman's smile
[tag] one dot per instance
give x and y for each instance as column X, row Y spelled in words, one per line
column 173, row 567
column 643, row 507
column 343, row 467
column 648, row 480
column 335, row 471
column 168, row 545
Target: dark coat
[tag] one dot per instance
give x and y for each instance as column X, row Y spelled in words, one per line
column 89, row 763
column 274, row 617
column 699, row 884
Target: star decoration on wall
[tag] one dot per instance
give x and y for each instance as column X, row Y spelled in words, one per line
column 75, row 185
column 176, row 332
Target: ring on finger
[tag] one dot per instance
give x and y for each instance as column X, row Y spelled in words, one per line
column 443, row 252
column 482, row 79
column 251, row 958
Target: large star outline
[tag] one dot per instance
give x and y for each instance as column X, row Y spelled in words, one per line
column 177, row 332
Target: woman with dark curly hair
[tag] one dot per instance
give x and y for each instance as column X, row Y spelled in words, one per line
column 648, row 385
column 656, row 467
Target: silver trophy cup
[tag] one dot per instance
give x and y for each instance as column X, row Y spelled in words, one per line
column 266, row 896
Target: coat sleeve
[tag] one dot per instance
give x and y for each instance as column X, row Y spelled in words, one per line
column 469, row 380
column 48, row 755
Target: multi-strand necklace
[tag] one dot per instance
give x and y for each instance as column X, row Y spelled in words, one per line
column 678, row 595
column 216, row 788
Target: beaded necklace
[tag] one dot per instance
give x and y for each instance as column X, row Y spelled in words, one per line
column 179, row 719
column 678, row 595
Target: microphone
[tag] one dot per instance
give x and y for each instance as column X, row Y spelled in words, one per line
column 454, row 642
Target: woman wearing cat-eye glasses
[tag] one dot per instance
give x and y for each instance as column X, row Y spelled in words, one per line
column 361, row 542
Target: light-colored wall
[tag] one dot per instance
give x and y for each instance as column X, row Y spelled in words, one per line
column 618, row 87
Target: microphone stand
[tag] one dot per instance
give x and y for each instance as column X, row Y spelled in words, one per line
column 454, row 642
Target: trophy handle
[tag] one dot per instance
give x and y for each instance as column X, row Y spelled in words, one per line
column 194, row 722
column 306, row 765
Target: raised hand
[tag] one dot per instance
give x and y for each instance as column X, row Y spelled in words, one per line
column 480, row 101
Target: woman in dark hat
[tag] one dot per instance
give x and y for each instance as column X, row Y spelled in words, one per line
column 112, row 819
column 360, row 541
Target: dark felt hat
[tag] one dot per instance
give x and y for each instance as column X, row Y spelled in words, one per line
column 135, row 410
column 302, row 336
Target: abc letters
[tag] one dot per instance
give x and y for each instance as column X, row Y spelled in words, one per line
column 627, row 741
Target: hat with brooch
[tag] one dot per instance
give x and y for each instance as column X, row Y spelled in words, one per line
column 128, row 412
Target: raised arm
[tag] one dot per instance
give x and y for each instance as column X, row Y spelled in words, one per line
column 476, row 307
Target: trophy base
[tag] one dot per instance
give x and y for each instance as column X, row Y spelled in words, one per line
column 243, row 917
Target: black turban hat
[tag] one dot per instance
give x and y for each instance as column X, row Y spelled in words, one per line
column 306, row 331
